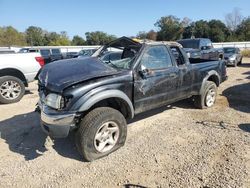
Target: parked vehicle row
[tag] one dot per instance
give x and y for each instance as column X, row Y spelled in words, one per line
column 201, row 48
column 95, row 97
column 16, row 71
column 49, row 54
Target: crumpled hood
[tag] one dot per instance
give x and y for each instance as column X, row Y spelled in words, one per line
column 61, row 74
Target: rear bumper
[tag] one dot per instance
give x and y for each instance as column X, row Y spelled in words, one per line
column 56, row 124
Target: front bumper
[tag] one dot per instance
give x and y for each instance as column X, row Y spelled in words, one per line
column 230, row 62
column 56, row 124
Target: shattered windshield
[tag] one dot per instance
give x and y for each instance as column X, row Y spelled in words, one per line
column 120, row 64
column 119, row 54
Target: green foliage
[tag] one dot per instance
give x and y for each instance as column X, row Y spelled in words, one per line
column 142, row 35
column 188, row 31
column 56, row 39
column 170, row 28
column 78, row 41
column 201, row 29
column 218, row 31
column 151, row 35
column 245, row 53
column 34, row 36
column 243, row 30
column 98, row 38
column 10, row 36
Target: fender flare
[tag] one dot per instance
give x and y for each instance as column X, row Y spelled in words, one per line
column 209, row 74
column 112, row 93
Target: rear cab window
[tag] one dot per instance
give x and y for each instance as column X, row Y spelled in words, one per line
column 190, row 43
column 55, row 51
column 45, row 52
column 180, row 59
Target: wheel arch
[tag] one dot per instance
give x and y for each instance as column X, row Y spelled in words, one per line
column 110, row 98
column 212, row 76
column 15, row 73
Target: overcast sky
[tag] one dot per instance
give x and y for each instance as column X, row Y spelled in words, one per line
column 118, row 17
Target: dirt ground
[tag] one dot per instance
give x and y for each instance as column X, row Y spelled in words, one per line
column 175, row 146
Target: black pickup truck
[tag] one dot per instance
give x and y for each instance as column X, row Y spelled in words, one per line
column 95, row 98
column 201, row 48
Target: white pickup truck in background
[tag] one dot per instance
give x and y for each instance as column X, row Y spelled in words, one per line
column 16, row 71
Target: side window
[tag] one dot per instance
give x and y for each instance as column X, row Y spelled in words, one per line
column 178, row 55
column 45, row 52
column 202, row 44
column 55, row 51
column 206, row 44
column 156, row 57
column 209, row 44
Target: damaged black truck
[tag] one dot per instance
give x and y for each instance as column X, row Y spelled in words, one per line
column 95, row 98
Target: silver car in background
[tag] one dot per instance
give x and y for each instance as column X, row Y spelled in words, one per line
column 232, row 56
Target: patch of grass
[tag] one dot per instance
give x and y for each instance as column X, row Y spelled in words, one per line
column 245, row 53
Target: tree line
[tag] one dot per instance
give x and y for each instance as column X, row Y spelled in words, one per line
column 36, row 36
column 235, row 28
column 169, row 28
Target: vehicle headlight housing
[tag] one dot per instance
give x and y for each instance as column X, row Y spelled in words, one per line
column 232, row 58
column 54, row 101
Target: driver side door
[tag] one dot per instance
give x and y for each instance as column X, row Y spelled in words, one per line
column 156, row 79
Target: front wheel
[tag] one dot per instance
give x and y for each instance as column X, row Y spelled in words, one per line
column 101, row 132
column 208, row 97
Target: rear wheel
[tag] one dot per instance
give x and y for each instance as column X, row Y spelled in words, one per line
column 12, row 89
column 208, row 97
column 101, row 132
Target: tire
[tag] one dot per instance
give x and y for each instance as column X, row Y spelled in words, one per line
column 93, row 125
column 235, row 63
column 240, row 62
column 17, row 92
column 201, row 101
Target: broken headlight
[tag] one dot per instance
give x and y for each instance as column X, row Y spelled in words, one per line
column 55, row 101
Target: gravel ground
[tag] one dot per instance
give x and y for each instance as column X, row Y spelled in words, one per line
column 175, row 146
